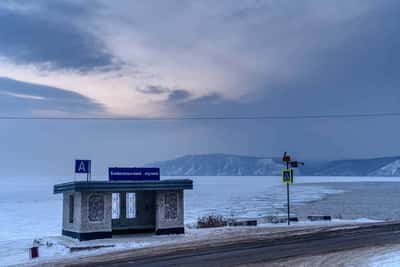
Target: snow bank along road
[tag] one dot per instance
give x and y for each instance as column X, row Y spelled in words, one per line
column 254, row 248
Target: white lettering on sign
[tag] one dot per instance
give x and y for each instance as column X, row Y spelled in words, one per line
column 134, row 173
column 150, row 173
column 81, row 167
column 126, row 173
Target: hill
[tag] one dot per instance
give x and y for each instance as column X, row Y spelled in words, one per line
column 235, row 165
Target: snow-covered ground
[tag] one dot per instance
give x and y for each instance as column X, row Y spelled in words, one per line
column 29, row 210
column 384, row 257
column 56, row 248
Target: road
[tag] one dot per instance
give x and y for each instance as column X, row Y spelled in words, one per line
column 254, row 250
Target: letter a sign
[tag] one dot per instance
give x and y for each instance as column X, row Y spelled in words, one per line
column 82, row 166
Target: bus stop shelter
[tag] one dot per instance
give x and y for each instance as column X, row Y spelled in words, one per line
column 139, row 206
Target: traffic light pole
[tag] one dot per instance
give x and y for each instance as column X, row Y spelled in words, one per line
column 287, row 177
column 288, row 198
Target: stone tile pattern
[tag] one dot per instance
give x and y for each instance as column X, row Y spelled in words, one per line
column 92, row 212
column 169, row 209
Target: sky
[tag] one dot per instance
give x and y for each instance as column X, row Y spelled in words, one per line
column 180, row 58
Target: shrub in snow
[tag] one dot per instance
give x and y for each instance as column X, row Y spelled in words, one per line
column 211, row 221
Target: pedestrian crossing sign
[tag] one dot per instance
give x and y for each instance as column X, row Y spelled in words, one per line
column 287, row 176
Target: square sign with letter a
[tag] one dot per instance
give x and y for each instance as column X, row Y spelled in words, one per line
column 287, row 176
column 82, row 166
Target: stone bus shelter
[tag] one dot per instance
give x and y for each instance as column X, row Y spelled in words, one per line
column 139, row 206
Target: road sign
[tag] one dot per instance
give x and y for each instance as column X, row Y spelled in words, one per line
column 83, row 166
column 295, row 164
column 138, row 174
column 287, row 176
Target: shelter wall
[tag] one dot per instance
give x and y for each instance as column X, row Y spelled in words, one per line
column 169, row 212
column 67, row 224
column 91, row 215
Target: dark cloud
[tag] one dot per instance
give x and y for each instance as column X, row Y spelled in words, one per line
column 351, row 67
column 174, row 96
column 153, row 90
column 317, row 62
column 49, row 36
column 18, row 98
column 178, row 95
column 198, row 105
column 210, row 99
column 67, row 8
column 360, row 74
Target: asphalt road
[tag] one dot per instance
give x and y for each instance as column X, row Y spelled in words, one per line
column 263, row 250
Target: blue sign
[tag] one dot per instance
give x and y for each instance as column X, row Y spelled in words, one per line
column 82, row 166
column 138, row 174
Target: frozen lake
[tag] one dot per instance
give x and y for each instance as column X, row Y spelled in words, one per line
column 28, row 208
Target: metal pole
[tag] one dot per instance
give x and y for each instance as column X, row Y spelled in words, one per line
column 89, row 172
column 287, row 193
column 288, row 206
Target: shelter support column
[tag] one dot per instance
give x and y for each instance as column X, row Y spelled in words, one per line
column 169, row 212
column 87, row 215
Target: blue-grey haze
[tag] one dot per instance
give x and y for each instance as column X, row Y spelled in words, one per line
column 350, row 66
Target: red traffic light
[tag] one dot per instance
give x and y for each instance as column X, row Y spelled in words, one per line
column 286, row 157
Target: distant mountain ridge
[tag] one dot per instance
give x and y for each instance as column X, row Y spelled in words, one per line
column 235, row 165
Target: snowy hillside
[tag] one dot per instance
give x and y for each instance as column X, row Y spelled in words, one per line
column 232, row 165
column 391, row 169
column 221, row 165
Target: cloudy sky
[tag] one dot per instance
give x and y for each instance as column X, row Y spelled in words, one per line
column 195, row 58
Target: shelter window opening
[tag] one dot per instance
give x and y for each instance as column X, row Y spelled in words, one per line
column 130, row 205
column 71, row 209
column 115, row 205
